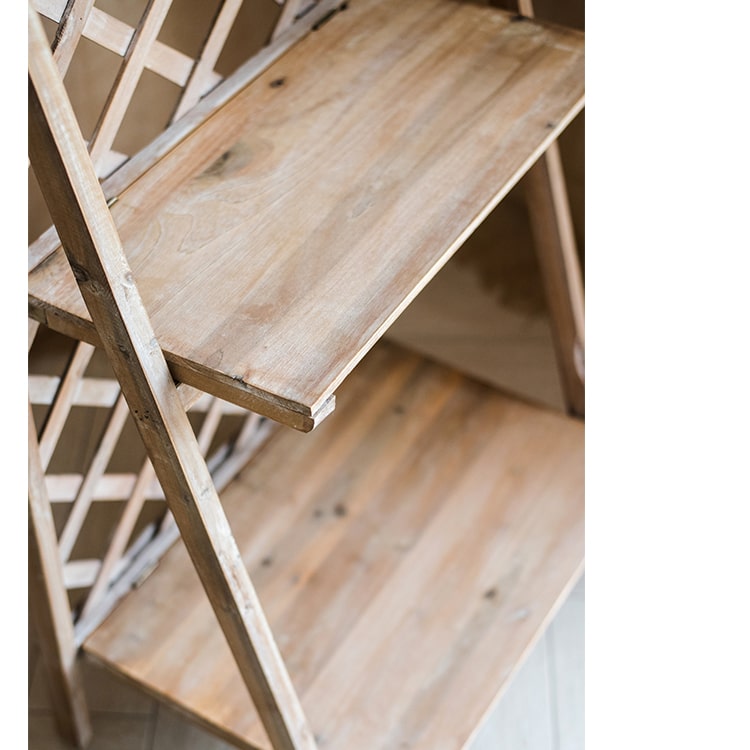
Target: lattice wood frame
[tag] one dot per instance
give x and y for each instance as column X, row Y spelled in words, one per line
column 100, row 583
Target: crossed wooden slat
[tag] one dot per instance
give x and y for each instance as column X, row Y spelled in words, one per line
column 141, row 49
column 74, row 389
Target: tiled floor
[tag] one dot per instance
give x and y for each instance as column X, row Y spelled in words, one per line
column 484, row 313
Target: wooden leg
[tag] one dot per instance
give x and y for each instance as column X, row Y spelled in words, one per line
column 49, row 609
column 552, row 229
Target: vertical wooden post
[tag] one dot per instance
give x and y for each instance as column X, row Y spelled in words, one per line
column 92, row 246
column 49, row 608
column 552, row 229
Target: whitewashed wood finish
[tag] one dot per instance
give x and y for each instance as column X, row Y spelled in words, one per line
column 133, row 64
column 58, row 415
column 554, row 238
column 289, row 10
column 85, row 225
column 116, row 36
column 408, row 553
column 322, row 177
column 72, row 22
column 202, row 77
column 552, row 226
column 85, row 495
column 49, row 610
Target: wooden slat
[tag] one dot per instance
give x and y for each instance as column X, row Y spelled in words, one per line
column 203, row 71
column 49, row 609
column 289, row 11
column 89, row 391
column 554, row 238
column 69, row 32
column 408, row 553
column 58, row 415
column 134, row 61
column 319, row 205
column 63, row 488
column 552, row 227
column 85, row 495
column 115, row 35
column 79, row 210
column 122, row 533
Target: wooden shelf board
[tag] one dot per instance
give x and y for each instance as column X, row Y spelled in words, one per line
column 276, row 244
column 408, row 554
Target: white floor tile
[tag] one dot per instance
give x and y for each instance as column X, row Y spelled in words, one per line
column 522, row 718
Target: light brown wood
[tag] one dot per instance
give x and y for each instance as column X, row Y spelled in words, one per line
column 55, row 421
column 79, row 210
column 134, row 62
column 289, row 10
column 408, row 553
column 72, row 23
column 555, row 244
column 49, row 610
column 320, row 206
column 203, row 72
column 91, row 481
column 116, row 36
column 123, row 177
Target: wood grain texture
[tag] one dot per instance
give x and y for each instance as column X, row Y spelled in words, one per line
column 408, row 553
column 552, row 226
column 279, row 241
column 78, row 208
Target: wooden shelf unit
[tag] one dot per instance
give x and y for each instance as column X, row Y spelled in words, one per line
column 408, row 552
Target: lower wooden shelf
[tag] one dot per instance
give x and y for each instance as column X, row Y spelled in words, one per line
column 408, row 554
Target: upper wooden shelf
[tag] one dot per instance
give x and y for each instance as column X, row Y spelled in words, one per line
column 275, row 244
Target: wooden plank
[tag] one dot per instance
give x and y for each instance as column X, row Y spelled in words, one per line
column 134, row 62
column 49, row 609
column 552, row 227
column 554, row 238
column 69, row 32
column 202, row 77
column 332, row 198
column 124, row 177
column 58, row 414
column 118, row 543
column 85, row 495
column 409, row 553
column 89, row 236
